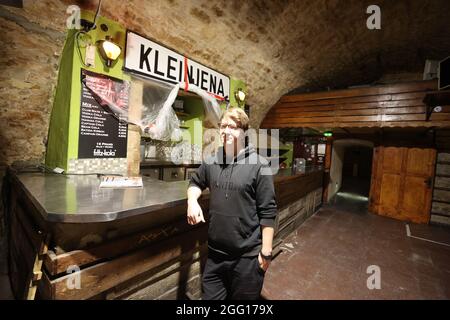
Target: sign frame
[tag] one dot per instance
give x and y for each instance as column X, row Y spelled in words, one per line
column 157, row 62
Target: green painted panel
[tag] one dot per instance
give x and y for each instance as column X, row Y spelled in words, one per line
column 58, row 135
column 118, row 35
column 193, row 107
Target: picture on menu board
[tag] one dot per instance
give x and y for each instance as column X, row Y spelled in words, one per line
column 103, row 114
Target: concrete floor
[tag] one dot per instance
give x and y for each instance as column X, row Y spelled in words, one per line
column 329, row 255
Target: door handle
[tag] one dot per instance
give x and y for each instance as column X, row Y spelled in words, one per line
column 428, row 182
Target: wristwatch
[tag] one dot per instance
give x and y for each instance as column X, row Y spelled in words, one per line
column 268, row 257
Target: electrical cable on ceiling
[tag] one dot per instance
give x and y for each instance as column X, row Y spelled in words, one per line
column 96, row 14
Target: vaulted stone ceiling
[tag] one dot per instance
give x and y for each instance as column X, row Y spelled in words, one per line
column 279, row 45
column 276, row 47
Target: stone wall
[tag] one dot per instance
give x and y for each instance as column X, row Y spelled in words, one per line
column 440, row 208
column 29, row 58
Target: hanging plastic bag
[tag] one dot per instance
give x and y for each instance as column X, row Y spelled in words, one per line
column 158, row 119
column 211, row 107
column 160, row 122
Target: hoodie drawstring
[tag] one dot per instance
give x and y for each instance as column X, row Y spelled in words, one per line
column 227, row 187
column 229, row 181
column 235, row 160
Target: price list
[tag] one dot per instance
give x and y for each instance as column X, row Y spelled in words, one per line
column 102, row 134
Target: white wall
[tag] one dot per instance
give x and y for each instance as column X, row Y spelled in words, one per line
column 337, row 160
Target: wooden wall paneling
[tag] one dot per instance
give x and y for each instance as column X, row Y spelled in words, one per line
column 442, row 182
column 301, row 217
column 375, row 90
column 317, row 198
column 349, row 107
column 287, row 227
column 356, row 102
column 444, row 157
column 440, row 209
column 443, row 169
column 103, row 276
column 172, row 276
column 344, row 109
column 350, row 100
column 373, row 117
column 290, row 190
column 441, row 195
column 57, row 264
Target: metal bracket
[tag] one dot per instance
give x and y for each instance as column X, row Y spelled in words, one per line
column 429, row 112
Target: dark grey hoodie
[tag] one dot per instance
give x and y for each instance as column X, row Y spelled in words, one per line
column 242, row 198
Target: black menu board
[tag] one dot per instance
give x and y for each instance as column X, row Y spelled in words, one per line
column 104, row 105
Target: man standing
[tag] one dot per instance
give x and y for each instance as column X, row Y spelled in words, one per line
column 242, row 210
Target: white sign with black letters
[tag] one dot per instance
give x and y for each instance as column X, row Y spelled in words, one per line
column 153, row 60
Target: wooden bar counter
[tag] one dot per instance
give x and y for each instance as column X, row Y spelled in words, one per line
column 69, row 239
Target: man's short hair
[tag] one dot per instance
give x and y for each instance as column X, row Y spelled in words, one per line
column 237, row 115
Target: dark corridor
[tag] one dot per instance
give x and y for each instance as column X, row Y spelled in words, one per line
column 357, row 170
column 356, row 175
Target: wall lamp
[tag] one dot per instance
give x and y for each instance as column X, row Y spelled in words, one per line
column 109, row 50
column 240, row 95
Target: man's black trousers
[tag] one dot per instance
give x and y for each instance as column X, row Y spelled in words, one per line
column 239, row 279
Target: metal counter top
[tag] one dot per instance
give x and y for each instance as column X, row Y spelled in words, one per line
column 79, row 199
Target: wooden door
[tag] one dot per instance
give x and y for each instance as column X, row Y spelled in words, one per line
column 401, row 185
